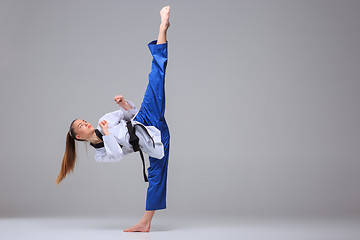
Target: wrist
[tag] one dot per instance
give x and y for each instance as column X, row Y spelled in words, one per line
column 125, row 105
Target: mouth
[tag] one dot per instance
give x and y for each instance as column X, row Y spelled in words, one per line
column 89, row 126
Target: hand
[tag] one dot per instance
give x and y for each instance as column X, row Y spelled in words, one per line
column 119, row 99
column 104, row 126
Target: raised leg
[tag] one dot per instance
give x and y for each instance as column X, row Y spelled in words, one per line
column 153, row 105
column 165, row 24
column 152, row 113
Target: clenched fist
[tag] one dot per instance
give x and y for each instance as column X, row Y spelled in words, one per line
column 119, row 99
column 104, row 126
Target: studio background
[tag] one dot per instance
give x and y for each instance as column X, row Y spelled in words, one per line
column 262, row 103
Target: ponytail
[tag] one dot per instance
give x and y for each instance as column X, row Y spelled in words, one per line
column 68, row 162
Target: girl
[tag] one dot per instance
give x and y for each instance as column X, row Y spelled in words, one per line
column 114, row 135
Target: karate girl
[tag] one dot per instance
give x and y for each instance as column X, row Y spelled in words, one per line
column 111, row 137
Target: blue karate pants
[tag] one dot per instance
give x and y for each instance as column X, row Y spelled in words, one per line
column 151, row 113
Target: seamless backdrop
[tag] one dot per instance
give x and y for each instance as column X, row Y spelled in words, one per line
column 262, row 105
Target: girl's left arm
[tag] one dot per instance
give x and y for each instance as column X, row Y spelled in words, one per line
column 128, row 109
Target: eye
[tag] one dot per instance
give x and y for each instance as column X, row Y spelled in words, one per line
column 81, row 124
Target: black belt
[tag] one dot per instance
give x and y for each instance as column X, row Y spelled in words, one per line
column 134, row 141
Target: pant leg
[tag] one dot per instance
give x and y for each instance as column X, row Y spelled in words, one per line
column 157, row 175
column 153, row 105
column 151, row 113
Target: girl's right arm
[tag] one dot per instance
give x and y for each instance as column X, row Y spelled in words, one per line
column 105, row 155
column 111, row 152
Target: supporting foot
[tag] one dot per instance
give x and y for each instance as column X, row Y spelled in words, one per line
column 140, row 227
column 144, row 224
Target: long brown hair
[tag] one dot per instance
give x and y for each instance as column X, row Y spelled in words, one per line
column 68, row 162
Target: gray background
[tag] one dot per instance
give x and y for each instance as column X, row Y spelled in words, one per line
column 262, row 105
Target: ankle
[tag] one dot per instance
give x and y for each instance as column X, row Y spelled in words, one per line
column 164, row 27
column 145, row 222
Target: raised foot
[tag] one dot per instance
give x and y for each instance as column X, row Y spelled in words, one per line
column 165, row 14
column 140, row 227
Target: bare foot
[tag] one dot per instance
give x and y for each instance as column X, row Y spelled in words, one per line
column 140, row 227
column 165, row 14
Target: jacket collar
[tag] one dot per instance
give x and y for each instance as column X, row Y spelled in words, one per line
column 101, row 144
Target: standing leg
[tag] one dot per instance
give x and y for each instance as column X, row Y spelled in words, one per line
column 152, row 113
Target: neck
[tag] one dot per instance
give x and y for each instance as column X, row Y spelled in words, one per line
column 94, row 139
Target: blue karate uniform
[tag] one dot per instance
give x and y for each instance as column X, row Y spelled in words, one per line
column 151, row 113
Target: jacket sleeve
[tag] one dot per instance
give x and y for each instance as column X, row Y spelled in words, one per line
column 113, row 118
column 128, row 115
column 111, row 152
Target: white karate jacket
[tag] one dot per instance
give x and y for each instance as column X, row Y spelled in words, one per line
column 118, row 134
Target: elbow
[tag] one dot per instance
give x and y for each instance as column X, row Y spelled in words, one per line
column 110, row 158
column 116, row 157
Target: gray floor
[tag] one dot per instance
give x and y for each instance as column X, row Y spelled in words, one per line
column 179, row 228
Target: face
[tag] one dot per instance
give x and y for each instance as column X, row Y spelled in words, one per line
column 83, row 129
